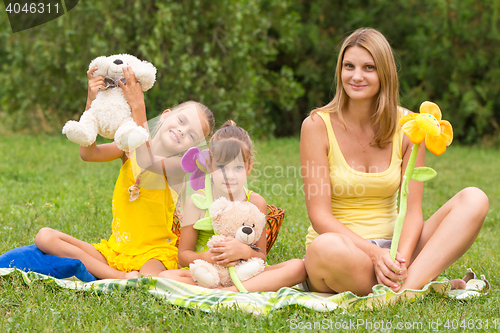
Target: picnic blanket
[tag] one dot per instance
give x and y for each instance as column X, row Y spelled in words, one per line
column 195, row 297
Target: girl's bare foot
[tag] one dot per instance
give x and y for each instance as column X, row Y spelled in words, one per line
column 132, row 275
column 232, row 288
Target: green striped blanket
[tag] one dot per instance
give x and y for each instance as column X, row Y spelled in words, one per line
column 194, row 297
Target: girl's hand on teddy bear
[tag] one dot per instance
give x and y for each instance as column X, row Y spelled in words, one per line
column 229, row 250
column 95, row 83
column 231, row 263
column 132, row 90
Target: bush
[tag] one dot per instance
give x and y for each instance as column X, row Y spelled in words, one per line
column 264, row 63
column 445, row 51
column 215, row 52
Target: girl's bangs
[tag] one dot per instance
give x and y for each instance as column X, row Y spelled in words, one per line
column 223, row 152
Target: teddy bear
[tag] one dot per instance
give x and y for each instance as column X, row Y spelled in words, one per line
column 238, row 219
column 110, row 114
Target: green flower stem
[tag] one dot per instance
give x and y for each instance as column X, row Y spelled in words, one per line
column 236, row 280
column 403, row 200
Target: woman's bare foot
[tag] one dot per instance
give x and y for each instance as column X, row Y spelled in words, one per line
column 457, row 284
column 398, row 288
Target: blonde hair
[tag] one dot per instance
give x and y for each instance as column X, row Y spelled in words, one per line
column 202, row 110
column 385, row 117
column 227, row 143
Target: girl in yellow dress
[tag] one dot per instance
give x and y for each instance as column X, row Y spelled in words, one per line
column 142, row 242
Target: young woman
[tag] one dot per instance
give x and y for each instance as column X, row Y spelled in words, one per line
column 353, row 155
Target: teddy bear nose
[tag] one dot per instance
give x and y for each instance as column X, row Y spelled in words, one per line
column 117, row 62
column 247, row 230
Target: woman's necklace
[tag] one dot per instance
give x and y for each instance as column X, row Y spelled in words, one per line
column 359, row 142
column 357, row 138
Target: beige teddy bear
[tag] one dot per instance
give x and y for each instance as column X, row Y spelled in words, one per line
column 238, row 219
column 109, row 114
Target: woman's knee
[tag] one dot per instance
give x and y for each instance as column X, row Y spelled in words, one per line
column 329, row 243
column 329, row 247
column 475, row 199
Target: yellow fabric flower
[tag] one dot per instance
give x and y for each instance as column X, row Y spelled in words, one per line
column 427, row 125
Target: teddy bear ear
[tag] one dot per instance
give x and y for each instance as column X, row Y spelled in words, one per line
column 260, row 218
column 218, row 207
column 128, row 59
column 145, row 73
column 102, row 64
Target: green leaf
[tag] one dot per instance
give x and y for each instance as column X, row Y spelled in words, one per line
column 423, row 173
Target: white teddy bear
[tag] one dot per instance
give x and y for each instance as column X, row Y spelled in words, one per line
column 241, row 220
column 109, row 114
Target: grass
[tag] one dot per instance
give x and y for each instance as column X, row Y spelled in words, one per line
column 43, row 182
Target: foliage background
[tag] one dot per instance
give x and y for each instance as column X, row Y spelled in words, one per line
column 264, row 63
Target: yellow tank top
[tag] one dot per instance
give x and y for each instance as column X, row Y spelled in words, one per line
column 366, row 203
column 145, row 223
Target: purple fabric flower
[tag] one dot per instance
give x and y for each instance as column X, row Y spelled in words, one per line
column 195, row 161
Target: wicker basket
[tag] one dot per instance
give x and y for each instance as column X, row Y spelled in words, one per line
column 274, row 220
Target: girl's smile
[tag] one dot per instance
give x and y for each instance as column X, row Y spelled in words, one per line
column 174, row 136
column 180, row 130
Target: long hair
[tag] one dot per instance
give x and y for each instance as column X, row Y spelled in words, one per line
column 385, row 117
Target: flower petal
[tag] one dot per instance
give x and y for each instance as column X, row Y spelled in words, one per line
column 431, row 108
column 188, row 161
column 407, row 118
column 414, row 132
column 435, row 144
column 428, row 123
column 446, row 131
column 203, row 157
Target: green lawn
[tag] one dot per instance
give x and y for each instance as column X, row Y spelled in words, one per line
column 43, row 182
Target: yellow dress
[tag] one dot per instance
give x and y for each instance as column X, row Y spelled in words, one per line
column 366, row 203
column 142, row 228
